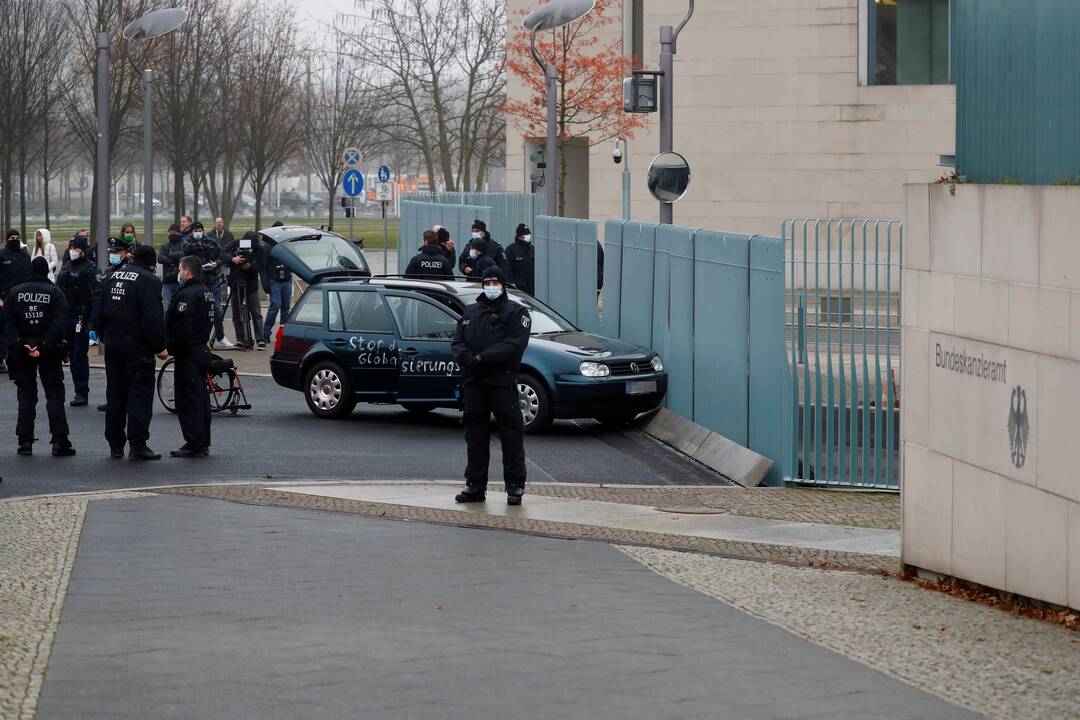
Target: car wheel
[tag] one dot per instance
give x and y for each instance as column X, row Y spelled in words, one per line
column 328, row 391
column 418, row 408
column 616, row 420
column 535, row 404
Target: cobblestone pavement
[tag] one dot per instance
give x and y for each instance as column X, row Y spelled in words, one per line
column 186, row 607
column 38, row 541
column 261, row 495
column 982, row 658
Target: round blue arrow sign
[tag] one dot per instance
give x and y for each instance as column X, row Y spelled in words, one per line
column 384, row 173
column 352, row 182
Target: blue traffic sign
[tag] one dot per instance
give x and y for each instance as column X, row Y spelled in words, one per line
column 384, row 173
column 352, row 182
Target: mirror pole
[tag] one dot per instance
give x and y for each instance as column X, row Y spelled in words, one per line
column 667, row 53
column 101, row 174
column 148, row 158
column 552, row 152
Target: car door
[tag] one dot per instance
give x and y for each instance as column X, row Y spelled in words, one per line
column 427, row 372
column 360, row 332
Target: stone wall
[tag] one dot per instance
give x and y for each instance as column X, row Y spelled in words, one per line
column 991, row 386
column 772, row 118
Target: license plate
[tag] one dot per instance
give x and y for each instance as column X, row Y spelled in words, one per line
column 640, row 387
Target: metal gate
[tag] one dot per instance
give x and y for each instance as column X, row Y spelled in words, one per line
column 843, row 337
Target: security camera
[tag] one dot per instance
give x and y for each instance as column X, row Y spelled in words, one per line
column 616, row 154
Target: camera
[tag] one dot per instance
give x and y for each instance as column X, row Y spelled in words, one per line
column 616, row 154
column 245, row 250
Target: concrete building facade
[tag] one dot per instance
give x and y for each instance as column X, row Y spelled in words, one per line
column 776, row 111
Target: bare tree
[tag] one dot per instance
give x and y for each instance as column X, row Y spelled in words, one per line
column 271, row 119
column 341, row 112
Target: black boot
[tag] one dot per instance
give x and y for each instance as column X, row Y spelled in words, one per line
column 189, row 452
column 62, row 448
column 514, row 494
column 79, row 401
column 116, row 452
column 141, row 452
column 102, row 407
column 471, row 494
column 26, row 448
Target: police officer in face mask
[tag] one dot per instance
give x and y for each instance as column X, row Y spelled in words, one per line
column 132, row 326
column 37, row 315
column 475, row 259
column 522, row 258
column 14, row 267
column 431, row 261
column 120, row 252
column 207, row 248
column 79, row 280
column 188, row 324
column 490, row 340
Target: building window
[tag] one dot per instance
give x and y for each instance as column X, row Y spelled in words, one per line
column 908, row 42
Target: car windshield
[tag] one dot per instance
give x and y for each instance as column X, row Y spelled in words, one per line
column 327, row 252
column 544, row 319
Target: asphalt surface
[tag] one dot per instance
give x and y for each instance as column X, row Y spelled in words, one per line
column 191, row 607
column 279, row 439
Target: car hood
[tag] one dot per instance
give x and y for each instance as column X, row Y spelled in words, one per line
column 587, row 345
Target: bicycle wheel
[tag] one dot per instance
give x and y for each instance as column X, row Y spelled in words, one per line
column 166, row 386
column 222, row 389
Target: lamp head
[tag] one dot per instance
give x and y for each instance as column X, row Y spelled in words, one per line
column 155, row 23
column 556, row 14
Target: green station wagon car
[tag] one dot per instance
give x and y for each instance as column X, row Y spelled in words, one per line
column 355, row 338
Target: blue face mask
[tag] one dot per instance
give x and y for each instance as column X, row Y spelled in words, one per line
column 197, row 235
column 493, row 293
column 527, row 238
column 114, row 259
column 477, row 235
column 474, row 253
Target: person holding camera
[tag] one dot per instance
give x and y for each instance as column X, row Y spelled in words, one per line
column 206, row 247
column 244, row 264
column 37, row 315
column 277, row 283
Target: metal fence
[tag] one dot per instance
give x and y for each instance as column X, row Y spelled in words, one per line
column 505, row 210
column 843, row 338
column 711, row 303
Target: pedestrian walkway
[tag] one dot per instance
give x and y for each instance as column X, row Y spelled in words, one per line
column 701, row 522
column 183, row 607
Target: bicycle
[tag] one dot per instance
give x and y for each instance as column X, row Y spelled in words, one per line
column 223, row 383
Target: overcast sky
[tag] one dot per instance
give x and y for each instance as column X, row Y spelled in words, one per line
column 313, row 12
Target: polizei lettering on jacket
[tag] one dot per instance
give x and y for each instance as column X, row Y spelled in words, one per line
column 129, row 275
column 33, row 297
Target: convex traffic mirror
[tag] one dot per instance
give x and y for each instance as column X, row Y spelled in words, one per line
column 669, row 177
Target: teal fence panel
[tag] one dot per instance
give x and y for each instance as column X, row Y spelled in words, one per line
column 611, row 295
column 505, row 210
column 636, row 304
column 843, row 351
column 542, row 257
column 585, row 281
column 767, row 356
column 561, row 240
column 674, row 313
column 721, row 327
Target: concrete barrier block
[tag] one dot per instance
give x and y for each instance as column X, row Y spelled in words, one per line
column 735, row 462
column 739, row 464
column 673, row 429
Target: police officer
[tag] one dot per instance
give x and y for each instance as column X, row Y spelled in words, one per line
column 431, row 261
column 79, row 281
column 188, row 323
column 521, row 256
column 120, row 253
column 475, row 259
column 446, row 243
column 490, row 339
column 37, row 316
column 132, row 326
column 14, row 267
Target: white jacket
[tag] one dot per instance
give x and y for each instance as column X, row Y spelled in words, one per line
column 49, row 254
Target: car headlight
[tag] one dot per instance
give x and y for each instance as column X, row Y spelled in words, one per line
column 595, row 370
column 657, row 364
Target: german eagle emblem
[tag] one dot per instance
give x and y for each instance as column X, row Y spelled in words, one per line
column 1019, row 428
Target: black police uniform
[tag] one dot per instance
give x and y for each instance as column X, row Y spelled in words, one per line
column 430, row 262
column 188, row 324
column 14, row 269
column 132, row 327
column 522, row 259
column 37, row 316
column 490, row 339
column 479, row 264
column 79, row 280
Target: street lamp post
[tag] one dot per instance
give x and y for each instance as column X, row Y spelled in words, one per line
column 668, row 38
column 150, row 25
column 549, row 16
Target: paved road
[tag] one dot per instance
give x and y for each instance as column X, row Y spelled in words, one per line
column 192, row 607
column 280, row 439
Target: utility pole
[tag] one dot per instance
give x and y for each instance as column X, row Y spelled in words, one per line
column 148, row 157
column 101, row 177
column 668, row 38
